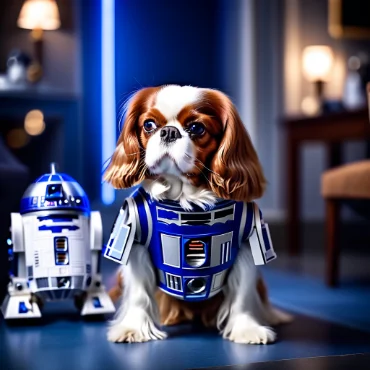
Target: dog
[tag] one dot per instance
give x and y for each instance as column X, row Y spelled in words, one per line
column 187, row 147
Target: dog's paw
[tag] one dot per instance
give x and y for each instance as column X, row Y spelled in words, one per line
column 121, row 333
column 245, row 330
column 252, row 335
column 134, row 327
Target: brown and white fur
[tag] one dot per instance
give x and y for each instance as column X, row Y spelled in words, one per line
column 216, row 159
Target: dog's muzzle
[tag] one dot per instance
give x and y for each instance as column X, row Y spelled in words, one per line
column 170, row 134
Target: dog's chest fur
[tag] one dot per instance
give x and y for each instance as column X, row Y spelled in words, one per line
column 169, row 187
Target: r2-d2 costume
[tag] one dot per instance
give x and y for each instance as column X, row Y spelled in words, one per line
column 192, row 252
column 56, row 246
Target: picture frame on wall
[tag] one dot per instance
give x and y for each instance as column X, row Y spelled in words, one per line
column 349, row 19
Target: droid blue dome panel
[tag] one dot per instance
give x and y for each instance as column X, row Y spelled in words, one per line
column 54, row 191
column 42, row 178
column 55, row 177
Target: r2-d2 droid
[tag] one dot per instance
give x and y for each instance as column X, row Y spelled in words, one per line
column 56, row 247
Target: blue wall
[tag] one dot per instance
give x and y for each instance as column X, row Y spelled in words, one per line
column 157, row 42
column 90, row 23
column 166, row 41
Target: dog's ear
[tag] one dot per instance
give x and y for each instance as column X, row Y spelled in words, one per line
column 236, row 171
column 126, row 167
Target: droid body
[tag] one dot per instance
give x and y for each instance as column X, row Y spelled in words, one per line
column 192, row 252
column 56, row 246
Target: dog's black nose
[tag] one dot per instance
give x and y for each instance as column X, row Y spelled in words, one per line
column 169, row 134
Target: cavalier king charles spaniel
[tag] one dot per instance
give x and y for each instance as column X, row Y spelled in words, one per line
column 188, row 145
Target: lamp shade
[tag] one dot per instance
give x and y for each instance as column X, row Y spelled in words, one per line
column 317, row 62
column 39, row 14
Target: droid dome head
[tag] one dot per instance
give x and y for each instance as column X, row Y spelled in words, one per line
column 54, row 191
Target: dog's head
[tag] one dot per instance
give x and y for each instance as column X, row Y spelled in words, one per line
column 193, row 133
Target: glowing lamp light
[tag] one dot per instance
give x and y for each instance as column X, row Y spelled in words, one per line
column 317, row 62
column 39, row 14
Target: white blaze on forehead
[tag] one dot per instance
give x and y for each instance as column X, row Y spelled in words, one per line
column 171, row 99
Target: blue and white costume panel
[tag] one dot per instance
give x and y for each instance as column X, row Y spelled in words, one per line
column 192, row 251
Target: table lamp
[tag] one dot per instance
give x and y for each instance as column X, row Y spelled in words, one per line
column 317, row 61
column 38, row 15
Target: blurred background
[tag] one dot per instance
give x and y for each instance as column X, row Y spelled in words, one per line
column 296, row 70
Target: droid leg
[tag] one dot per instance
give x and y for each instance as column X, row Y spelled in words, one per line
column 97, row 300
column 18, row 304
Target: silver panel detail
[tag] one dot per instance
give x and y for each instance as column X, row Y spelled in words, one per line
column 54, row 282
column 252, row 205
column 213, row 292
column 122, row 237
column 225, row 252
column 261, row 254
column 205, row 218
column 217, row 248
column 96, row 231
column 174, row 282
column 30, row 271
column 218, row 280
column 150, row 221
column 167, row 220
column 171, row 250
column 78, row 282
column 42, row 283
column 162, row 279
column 17, row 232
column 242, row 222
column 137, row 219
column 37, row 258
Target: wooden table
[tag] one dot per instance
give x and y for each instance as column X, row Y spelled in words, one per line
column 330, row 129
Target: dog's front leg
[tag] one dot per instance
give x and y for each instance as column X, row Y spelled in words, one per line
column 137, row 318
column 242, row 313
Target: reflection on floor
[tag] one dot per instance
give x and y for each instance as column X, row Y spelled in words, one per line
column 328, row 322
column 347, row 305
column 345, row 362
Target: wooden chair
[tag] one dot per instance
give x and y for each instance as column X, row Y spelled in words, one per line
column 348, row 183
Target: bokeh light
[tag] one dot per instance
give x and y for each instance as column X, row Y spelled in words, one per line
column 17, row 138
column 34, row 122
column 310, row 106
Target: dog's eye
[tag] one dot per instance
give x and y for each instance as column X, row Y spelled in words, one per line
column 196, row 128
column 149, row 125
